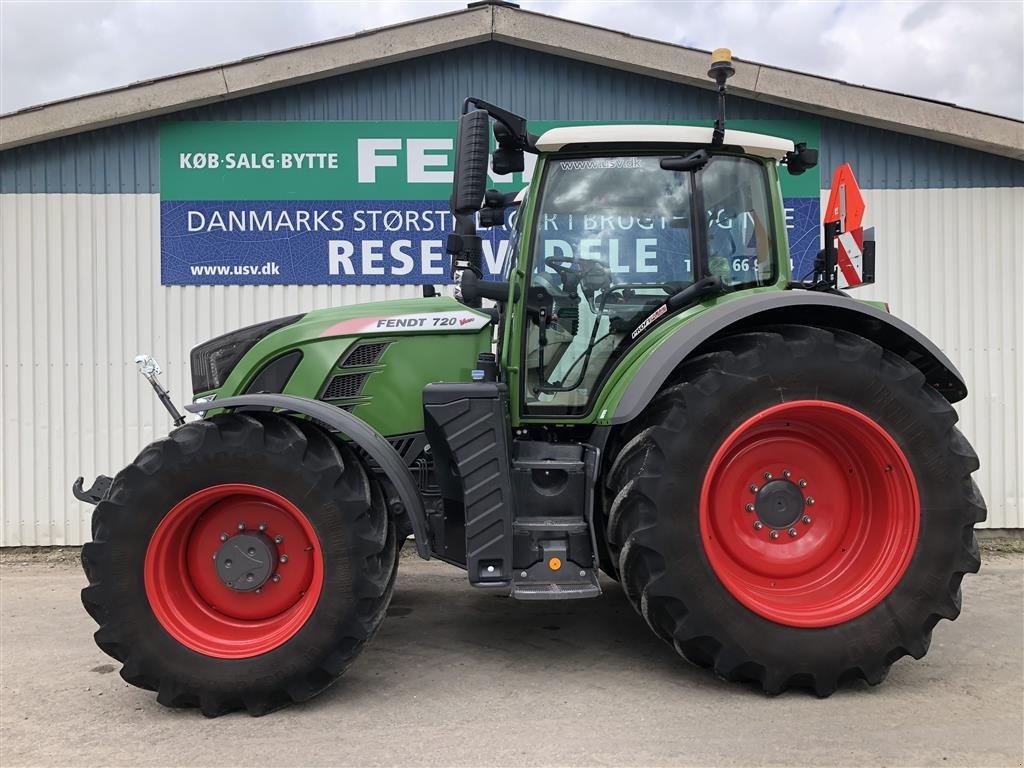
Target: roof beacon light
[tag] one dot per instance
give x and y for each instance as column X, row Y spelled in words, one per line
column 721, row 58
column 720, row 71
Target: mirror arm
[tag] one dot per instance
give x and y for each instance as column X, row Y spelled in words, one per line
column 474, row 289
column 519, row 137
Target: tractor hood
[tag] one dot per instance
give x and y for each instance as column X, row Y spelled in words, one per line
column 300, row 354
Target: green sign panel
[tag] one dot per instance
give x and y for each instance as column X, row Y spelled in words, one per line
column 270, row 202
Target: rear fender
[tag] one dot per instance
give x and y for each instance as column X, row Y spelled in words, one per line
column 823, row 310
column 357, row 430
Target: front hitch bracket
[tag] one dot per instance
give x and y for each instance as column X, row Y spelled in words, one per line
column 96, row 492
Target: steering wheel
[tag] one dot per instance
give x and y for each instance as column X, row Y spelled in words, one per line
column 589, row 274
column 563, row 265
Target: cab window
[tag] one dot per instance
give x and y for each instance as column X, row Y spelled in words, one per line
column 614, row 237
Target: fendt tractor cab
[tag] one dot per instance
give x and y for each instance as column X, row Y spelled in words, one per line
column 768, row 467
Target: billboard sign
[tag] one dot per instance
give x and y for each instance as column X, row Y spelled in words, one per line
column 286, row 203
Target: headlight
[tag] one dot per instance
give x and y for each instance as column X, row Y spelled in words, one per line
column 213, row 360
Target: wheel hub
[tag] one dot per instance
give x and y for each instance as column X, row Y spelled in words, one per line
column 809, row 513
column 779, row 503
column 256, row 603
column 245, row 562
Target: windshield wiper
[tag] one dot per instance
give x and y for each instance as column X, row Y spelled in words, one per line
column 691, row 162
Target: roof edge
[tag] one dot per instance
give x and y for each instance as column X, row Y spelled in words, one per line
column 196, row 88
column 863, row 105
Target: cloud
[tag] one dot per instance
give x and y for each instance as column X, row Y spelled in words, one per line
column 970, row 54
column 967, row 53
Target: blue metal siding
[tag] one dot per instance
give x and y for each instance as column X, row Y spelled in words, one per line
column 124, row 158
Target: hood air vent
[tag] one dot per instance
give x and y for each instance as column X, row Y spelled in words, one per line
column 345, row 386
column 364, row 355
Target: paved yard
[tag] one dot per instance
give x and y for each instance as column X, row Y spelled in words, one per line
column 462, row 677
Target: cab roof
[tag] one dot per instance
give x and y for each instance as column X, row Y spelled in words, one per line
column 756, row 144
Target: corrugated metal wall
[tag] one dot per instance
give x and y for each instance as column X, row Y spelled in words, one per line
column 80, row 292
column 542, row 86
column 949, row 264
column 81, row 296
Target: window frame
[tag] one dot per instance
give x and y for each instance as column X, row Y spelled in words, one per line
column 698, row 249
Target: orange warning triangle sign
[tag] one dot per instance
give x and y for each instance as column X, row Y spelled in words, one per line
column 845, row 202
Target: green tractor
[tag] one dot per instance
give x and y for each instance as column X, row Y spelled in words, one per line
column 769, row 468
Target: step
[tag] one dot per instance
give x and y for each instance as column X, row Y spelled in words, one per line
column 566, row 466
column 553, row 524
column 578, row 588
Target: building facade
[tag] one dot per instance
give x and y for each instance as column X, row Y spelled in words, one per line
column 80, row 224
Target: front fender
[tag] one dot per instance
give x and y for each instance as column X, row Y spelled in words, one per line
column 824, row 310
column 361, row 433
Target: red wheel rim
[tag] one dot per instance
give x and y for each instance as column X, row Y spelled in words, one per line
column 853, row 507
column 189, row 598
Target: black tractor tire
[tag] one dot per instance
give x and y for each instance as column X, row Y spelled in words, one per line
column 341, row 577
column 655, row 508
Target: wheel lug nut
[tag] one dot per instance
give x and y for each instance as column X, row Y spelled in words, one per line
column 249, row 577
column 810, row 501
column 792, row 531
column 768, row 475
column 227, row 563
column 275, row 578
column 284, row 558
column 786, row 473
column 754, row 489
column 252, row 551
column 241, row 526
column 278, row 539
column 774, row 534
column 802, row 483
column 758, row 525
column 224, row 537
column 749, row 507
column 806, row 519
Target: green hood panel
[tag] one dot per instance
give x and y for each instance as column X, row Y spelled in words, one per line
column 428, row 340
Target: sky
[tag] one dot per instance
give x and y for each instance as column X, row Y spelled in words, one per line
column 968, row 53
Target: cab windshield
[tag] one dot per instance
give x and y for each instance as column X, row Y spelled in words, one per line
column 614, row 237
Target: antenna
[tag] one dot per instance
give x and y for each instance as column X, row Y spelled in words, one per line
column 720, row 71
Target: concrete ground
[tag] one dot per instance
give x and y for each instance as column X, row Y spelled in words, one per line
column 461, row 677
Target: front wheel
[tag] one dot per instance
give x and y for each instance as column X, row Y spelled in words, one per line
column 243, row 562
column 797, row 510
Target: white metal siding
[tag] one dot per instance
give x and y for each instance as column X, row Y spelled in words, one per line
column 949, row 263
column 80, row 295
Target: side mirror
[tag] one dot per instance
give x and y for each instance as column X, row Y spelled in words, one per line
column 492, row 214
column 801, row 159
column 507, row 158
column 470, row 162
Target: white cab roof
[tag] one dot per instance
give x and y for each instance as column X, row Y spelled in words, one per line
column 751, row 143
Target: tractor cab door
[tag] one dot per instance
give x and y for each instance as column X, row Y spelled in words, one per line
column 612, row 238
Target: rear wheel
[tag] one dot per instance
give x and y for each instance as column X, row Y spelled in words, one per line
column 797, row 510
column 244, row 561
